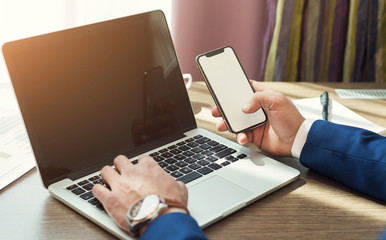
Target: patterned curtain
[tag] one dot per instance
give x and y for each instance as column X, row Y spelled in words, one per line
column 325, row 41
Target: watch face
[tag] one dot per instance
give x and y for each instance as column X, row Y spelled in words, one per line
column 144, row 207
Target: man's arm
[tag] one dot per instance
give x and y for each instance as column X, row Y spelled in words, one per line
column 352, row 156
column 128, row 183
column 173, row 226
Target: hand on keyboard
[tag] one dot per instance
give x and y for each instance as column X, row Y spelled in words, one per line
column 132, row 182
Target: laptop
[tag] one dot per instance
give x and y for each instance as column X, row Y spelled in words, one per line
column 90, row 93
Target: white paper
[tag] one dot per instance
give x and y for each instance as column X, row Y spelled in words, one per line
column 338, row 113
column 16, row 156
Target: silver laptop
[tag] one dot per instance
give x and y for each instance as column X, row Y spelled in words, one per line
column 90, row 93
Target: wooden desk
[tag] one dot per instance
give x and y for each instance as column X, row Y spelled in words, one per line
column 313, row 207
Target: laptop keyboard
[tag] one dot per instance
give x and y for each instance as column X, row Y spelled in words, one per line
column 185, row 161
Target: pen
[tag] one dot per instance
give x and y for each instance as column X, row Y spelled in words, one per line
column 324, row 101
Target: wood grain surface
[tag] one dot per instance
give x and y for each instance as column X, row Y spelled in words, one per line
column 312, row 207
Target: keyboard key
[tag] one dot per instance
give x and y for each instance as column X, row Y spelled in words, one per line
column 88, row 186
column 197, row 150
column 190, row 160
column 181, row 143
column 205, row 146
column 202, row 140
column 184, row 148
column 194, row 166
column 172, row 146
column 176, row 174
column 225, row 152
column 172, row 168
column 94, row 201
column 99, row 181
column 71, row 187
column 92, row 179
column 175, row 151
column 189, row 140
column 100, row 206
column 167, row 155
column 212, row 143
column 158, row 158
column 163, row 150
column 181, row 164
column 170, row 161
column 190, row 177
column 185, row 170
column 212, row 158
column 193, row 144
column 197, row 137
column 205, row 170
column 232, row 158
column 134, row 161
column 179, row 157
column 203, row 162
column 207, row 153
column 163, row 164
column 241, row 156
column 218, row 148
column 188, row 153
column 78, row 191
column 87, row 196
column 198, row 156
column 83, row 182
column 154, row 154
column 225, row 163
column 214, row 166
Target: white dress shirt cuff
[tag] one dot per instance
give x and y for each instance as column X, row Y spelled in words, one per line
column 300, row 138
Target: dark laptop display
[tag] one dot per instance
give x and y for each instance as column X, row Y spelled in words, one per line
column 124, row 111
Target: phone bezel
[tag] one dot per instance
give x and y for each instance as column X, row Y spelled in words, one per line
column 213, row 53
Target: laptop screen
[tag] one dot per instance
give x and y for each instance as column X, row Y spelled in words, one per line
column 90, row 93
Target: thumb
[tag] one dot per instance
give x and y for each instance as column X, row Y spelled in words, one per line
column 262, row 98
column 253, row 105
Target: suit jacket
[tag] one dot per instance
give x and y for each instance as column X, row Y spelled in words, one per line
column 173, row 226
column 349, row 155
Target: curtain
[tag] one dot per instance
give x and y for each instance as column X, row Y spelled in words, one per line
column 325, row 41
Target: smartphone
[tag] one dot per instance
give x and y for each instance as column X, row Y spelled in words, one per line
column 230, row 88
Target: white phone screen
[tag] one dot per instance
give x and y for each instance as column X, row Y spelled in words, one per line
column 230, row 88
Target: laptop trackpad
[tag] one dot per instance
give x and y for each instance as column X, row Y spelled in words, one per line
column 214, row 196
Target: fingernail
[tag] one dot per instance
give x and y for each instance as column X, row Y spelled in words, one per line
column 246, row 107
column 239, row 139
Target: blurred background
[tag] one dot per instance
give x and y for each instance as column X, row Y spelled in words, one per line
column 25, row 18
column 275, row 40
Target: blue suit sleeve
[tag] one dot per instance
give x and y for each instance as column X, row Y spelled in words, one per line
column 349, row 155
column 174, row 226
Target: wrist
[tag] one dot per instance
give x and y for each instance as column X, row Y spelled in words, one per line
column 301, row 137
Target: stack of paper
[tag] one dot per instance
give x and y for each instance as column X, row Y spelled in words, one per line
column 312, row 109
column 16, row 156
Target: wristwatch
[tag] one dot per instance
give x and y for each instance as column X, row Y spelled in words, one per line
column 146, row 210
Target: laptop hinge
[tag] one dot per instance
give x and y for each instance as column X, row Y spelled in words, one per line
column 86, row 171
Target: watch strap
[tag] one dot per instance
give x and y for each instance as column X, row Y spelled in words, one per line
column 173, row 203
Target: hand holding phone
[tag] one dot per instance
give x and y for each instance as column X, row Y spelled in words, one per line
column 230, row 88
